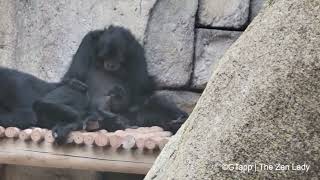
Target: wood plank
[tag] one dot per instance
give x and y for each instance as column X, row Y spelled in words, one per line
column 15, row 151
column 2, row 172
column 14, row 172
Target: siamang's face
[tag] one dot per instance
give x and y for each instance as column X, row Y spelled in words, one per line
column 111, row 54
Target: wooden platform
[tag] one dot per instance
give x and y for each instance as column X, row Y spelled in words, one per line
column 16, row 151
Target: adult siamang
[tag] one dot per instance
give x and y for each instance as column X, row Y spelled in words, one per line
column 110, row 62
column 120, row 87
column 20, row 92
column 27, row 101
column 17, row 94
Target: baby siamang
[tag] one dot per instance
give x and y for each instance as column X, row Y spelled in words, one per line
column 155, row 110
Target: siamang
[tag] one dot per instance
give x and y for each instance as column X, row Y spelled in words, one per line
column 17, row 94
column 155, row 110
column 21, row 93
column 27, row 101
column 111, row 63
column 120, row 87
column 65, row 106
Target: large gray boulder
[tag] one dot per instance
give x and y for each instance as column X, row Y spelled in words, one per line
column 40, row 37
column 169, row 41
column 255, row 7
column 210, row 47
column 261, row 105
column 223, row 13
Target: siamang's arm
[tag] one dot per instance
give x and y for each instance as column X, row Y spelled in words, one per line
column 160, row 111
column 21, row 118
column 84, row 57
column 61, row 131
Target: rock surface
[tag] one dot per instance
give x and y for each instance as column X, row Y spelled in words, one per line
column 169, row 42
column 210, row 47
column 223, row 13
column 261, row 104
column 255, row 7
column 185, row 100
column 40, row 37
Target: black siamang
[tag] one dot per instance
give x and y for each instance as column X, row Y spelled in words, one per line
column 121, row 89
column 20, row 93
column 27, row 101
column 111, row 63
column 17, row 94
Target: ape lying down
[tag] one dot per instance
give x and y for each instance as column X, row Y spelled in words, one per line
column 107, row 86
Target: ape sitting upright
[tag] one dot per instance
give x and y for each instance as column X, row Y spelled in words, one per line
column 121, row 57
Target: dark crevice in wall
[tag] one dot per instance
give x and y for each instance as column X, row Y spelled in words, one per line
column 199, row 26
column 189, row 84
column 151, row 12
column 181, row 89
column 250, row 10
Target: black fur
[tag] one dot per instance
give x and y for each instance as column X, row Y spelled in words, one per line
column 154, row 111
column 17, row 94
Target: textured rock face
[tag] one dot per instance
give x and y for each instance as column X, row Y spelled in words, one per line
column 261, row 104
column 185, row 100
column 169, row 42
column 210, row 46
column 255, row 7
column 223, row 13
column 40, row 37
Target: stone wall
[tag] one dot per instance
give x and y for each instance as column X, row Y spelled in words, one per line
column 183, row 39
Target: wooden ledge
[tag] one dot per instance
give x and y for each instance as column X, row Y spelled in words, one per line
column 125, row 151
column 16, row 151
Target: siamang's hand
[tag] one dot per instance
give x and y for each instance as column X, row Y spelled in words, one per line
column 119, row 99
column 60, row 132
column 92, row 122
column 117, row 92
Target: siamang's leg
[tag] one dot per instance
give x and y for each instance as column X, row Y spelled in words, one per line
column 168, row 106
column 82, row 60
column 173, row 117
column 59, row 112
column 61, row 131
column 106, row 120
column 21, row 118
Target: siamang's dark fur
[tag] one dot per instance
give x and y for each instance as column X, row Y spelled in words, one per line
column 154, row 111
column 17, row 94
column 64, row 106
column 22, row 93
